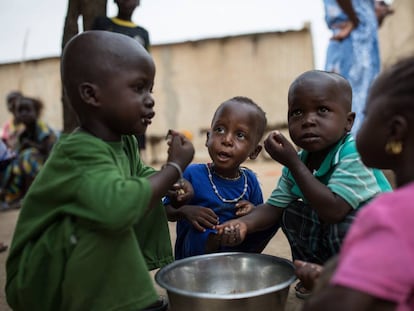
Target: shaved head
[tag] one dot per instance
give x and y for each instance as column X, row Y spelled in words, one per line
column 95, row 57
column 337, row 83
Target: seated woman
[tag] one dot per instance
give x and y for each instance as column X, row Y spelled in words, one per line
column 33, row 146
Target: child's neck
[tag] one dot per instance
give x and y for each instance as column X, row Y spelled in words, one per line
column 124, row 17
column 314, row 160
column 233, row 175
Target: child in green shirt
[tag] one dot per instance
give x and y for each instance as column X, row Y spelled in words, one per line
column 92, row 223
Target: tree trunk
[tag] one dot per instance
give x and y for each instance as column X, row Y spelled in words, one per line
column 89, row 10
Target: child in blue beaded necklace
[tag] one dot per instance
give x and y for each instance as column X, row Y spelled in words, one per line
column 223, row 189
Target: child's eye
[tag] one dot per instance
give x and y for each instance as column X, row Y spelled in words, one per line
column 219, row 130
column 138, row 87
column 295, row 113
column 143, row 86
column 323, row 109
column 241, row 135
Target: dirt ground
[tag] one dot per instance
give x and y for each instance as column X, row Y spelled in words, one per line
column 268, row 173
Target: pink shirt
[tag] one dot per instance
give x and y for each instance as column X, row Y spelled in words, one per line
column 377, row 256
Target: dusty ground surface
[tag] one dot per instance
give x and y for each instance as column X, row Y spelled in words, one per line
column 268, row 173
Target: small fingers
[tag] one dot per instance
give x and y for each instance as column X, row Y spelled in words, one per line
column 232, row 235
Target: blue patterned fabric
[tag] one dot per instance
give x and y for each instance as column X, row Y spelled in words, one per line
column 356, row 57
column 28, row 162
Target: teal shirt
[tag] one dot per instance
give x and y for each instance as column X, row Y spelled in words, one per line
column 342, row 171
column 85, row 238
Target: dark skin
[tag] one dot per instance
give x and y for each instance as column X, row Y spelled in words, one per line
column 27, row 111
column 109, row 108
column 326, row 297
column 390, row 123
column 319, row 116
column 382, row 10
column 11, row 100
column 126, row 8
column 233, row 139
column 345, row 28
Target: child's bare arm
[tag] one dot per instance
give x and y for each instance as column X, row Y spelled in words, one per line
column 347, row 7
column 330, row 207
column 262, row 217
column 326, row 296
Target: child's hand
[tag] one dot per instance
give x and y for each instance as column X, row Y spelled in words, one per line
column 200, row 217
column 280, row 149
column 180, row 193
column 243, row 208
column 307, row 272
column 181, row 150
column 232, row 232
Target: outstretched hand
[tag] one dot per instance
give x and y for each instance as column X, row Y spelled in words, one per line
column 232, row 232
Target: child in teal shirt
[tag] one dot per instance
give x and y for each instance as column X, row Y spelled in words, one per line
column 321, row 188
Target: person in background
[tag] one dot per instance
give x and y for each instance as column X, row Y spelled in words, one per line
column 85, row 11
column 374, row 271
column 6, row 155
column 92, row 223
column 11, row 128
column 353, row 50
column 321, row 188
column 382, row 10
column 223, row 189
column 123, row 24
column 33, row 145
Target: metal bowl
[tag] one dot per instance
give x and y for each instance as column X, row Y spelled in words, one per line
column 227, row 281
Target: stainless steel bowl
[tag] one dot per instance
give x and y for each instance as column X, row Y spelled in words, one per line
column 227, row 281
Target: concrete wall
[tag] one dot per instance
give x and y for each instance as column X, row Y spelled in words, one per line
column 36, row 78
column 192, row 79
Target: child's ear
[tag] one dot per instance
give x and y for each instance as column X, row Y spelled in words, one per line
column 89, row 93
column 207, row 138
column 256, row 152
column 398, row 128
column 350, row 121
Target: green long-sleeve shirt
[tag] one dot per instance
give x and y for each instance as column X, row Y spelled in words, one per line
column 85, row 238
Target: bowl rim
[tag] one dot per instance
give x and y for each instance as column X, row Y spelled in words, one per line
column 194, row 294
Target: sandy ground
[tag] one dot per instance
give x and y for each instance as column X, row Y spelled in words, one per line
column 268, row 173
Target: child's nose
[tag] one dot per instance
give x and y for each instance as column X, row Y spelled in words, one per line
column 309, row 119
column 149, row 102
column 228, row 139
